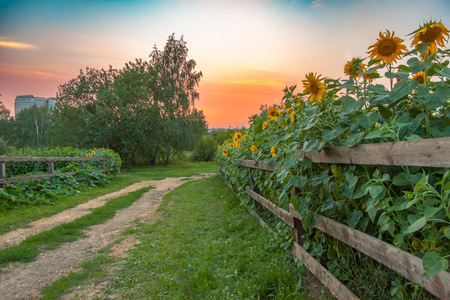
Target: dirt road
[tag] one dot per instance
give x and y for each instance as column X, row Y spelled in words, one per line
column 23, row 281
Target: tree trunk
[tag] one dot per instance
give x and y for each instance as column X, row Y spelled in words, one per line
column 168, row 155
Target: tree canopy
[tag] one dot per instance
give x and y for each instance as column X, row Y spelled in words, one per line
column 144, row 111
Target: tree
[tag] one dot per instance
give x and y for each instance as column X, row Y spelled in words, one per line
column 143, row 111
column 31, row 127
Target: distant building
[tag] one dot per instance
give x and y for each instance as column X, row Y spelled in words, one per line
column 25, row 101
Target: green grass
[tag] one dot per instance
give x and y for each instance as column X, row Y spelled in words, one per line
column 20, row 217
column 206, row 246
column 33, row 245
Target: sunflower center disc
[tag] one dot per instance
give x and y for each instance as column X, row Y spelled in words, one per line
column 387, row 47
column 314, row 89
column 431, row 34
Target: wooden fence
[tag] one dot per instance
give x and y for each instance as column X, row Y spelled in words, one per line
column 426, row 153
column 51, row 170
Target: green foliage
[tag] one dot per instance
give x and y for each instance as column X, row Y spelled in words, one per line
column 205, row 149
column 144, row 111
column 23, row 168
column 405, row 206
column 206, row 246
column 16, row 218
column 47, row 191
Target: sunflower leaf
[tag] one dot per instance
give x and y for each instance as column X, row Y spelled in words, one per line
column 403, row 88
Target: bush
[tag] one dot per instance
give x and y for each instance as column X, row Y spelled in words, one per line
column 205, row 150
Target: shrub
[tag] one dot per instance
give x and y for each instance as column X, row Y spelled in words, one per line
column 205, row 149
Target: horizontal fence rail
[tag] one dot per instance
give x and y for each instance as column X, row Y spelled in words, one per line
column 51, row 170
column 425, row 153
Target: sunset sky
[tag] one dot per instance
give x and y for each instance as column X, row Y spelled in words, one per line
column 248, row 50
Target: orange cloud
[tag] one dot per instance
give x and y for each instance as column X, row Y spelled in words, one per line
column 16, row 45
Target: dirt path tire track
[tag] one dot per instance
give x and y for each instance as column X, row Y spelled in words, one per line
column 23, row 281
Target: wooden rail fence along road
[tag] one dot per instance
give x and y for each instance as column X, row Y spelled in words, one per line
column 425, row 153
column 51, row 170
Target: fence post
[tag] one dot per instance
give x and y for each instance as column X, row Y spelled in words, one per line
column 81, row 162
column 103, row 166
column 256, row 204
column 51, row 170
column 2, row 173
column 299, row 231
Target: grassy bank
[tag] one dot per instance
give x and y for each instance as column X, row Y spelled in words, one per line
column 20, row 217
column 204, row 246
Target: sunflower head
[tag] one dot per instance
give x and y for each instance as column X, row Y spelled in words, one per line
column 254, row 148
column 237, row 136
column 272, row 113
column 88, row 155
column 354, row 67
column 225, row 152
column 432, row 32
column 272, row 151
column 264, row 125
column 388, row 48
column 314, row 86
column 420, row 77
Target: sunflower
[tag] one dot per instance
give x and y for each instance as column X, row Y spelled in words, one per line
column 93, row 152
column 225, row 152
column 388, row 48
column 88, row 155
column 254, row 148
column 315, row 86
column 237, row 136
column 420, row 77
column 354, row 67
column 272, row 150
column 432, row 32
column 264, row 125
column 272, row 113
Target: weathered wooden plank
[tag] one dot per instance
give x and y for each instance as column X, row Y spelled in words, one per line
column 425, row 153
column 339, row 290
column 51, row 169
column 279, row 212
column 402, row 262
column 32, row 158
column 2, row 169
column 258, row 165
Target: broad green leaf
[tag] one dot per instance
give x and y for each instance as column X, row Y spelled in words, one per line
column 328, row 206
column 400, row 180
column 431, row 211
column 374, row 134
column 329, row 135
column 299, row 181
column 376, row 191
column 383, row 219
column 378, row 89
column 447, row 232
column 417, row 225
column 433, row 263
column 417, row 65
column 354, row 139
column 438, row 98
column 350, row 105
column 353, row 218
column 402, row 88
column 369, row 120
column 444, row 72
column 403, row 75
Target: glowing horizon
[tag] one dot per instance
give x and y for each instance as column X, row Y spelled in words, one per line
column 248, row 51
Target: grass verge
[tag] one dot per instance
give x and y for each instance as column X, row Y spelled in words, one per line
column 33, row 245
column 206, row 246
column 20, row 217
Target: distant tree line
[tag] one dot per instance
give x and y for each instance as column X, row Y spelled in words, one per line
column 145, row 111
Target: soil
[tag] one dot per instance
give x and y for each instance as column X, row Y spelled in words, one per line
column 26, row 280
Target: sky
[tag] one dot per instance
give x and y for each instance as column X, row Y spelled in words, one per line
column 248, row 50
